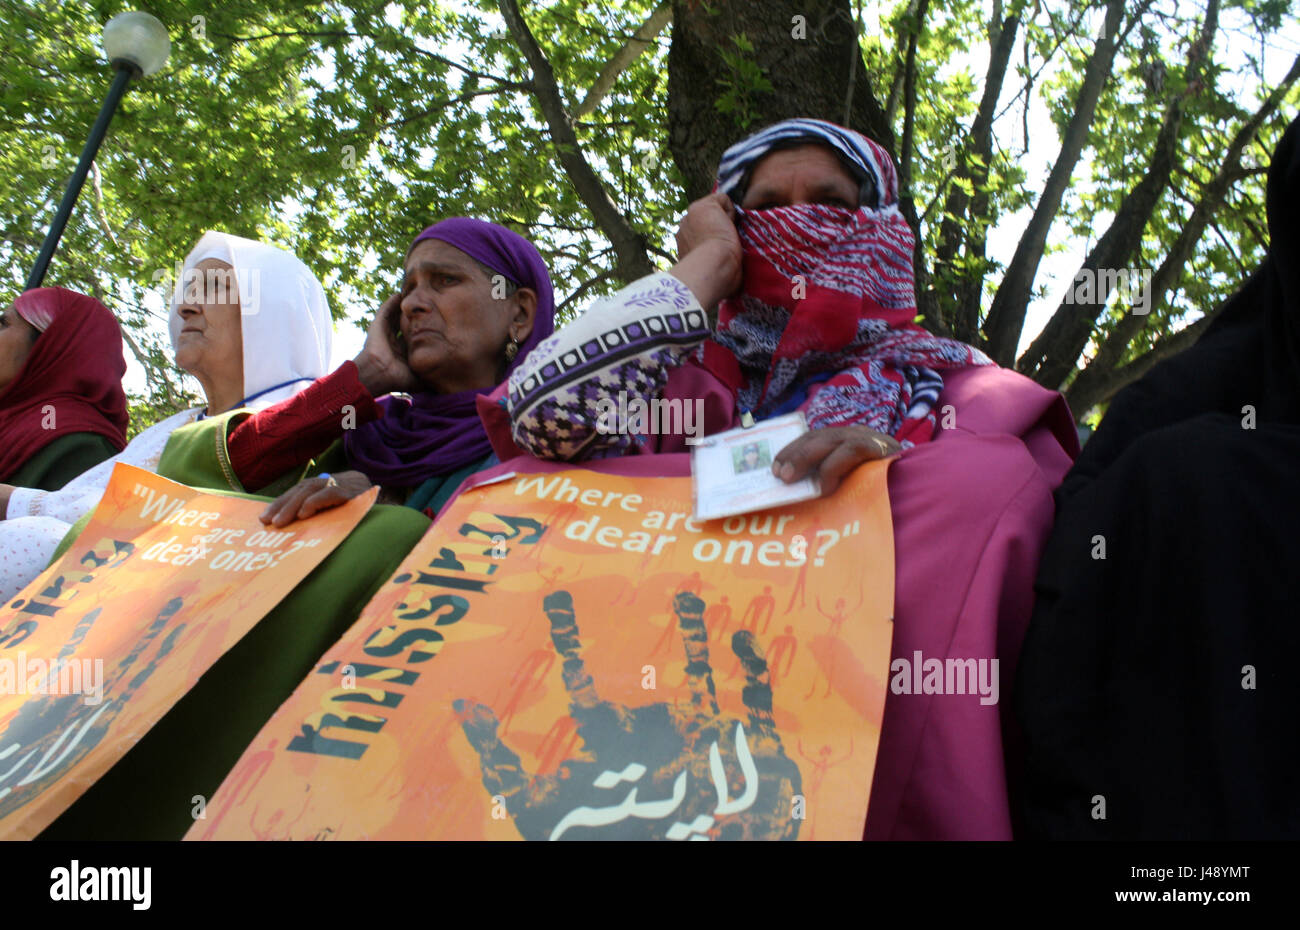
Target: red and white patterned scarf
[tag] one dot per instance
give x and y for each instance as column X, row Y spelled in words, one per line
column 824, row 318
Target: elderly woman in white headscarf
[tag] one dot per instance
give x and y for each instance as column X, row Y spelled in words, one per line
column 250, row 322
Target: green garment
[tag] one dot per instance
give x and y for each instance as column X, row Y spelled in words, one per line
column 435, row 492
column 199, row 444
column 149, row 793
column 197, row 455
column 58, row 462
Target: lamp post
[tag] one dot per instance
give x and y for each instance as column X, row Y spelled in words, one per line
column 137, row 45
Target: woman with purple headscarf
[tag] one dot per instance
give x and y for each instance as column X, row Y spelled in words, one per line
column 476, row 298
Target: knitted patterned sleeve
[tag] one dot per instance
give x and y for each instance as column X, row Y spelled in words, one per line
column 564, row 401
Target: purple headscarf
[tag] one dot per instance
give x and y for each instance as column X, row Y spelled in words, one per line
column 437, row 434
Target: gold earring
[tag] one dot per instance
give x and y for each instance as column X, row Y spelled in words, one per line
column 512, row 349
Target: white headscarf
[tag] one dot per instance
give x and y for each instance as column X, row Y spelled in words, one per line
column 285, row 318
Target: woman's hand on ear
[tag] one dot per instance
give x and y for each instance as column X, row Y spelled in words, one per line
column 708, row 250
column 381, row 362
column 830, row 454
column 312, row 495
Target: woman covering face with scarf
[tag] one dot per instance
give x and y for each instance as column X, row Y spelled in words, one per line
column 804, row 251
column 808, row 260
column 822, row 222
column 62, row 408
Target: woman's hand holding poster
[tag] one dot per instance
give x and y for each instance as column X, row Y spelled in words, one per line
column 161, row 583
column 569, row 655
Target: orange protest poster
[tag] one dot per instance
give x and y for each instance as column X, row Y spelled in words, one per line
column 569, row 655
column 160, row 584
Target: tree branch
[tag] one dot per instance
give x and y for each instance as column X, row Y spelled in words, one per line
column 641, row 40
column 896, row 84
column 909, row 99
column 1083, row 397
column 345, row 34
column 1054, row 352
column 583, row 288
column 1006, row 316
column 629, row 245
column 1089, row 385
column 441, row 105
column 855, row 62
column 964, row 304
column 97, row 187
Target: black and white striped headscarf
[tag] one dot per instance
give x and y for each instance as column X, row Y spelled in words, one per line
column 868, row 161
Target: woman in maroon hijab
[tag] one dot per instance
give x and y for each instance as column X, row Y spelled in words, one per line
column 62, row 408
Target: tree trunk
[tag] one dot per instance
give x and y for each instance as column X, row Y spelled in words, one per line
column 1052, row 355
column 805, row 50
column 961, row 296
column 1006, row 316
column 629, row 245
column 1097, row 383
column 1109, row 383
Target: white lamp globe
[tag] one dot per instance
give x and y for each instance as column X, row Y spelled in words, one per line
column 139, row 39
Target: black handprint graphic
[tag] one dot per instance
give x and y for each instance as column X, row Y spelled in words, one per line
column 50, row 734
column 662, row 771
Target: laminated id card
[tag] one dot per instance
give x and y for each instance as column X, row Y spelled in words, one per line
column 731, row 472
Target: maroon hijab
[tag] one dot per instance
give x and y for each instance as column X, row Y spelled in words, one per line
column 71, row 381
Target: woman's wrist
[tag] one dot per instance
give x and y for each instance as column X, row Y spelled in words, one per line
column 371, row 375
column 711, row 271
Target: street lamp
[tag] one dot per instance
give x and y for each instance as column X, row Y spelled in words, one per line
column 136, row 44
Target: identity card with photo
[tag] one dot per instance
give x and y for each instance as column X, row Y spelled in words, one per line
column 731, row 472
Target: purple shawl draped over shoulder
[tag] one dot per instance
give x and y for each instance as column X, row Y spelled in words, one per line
column 437, row 434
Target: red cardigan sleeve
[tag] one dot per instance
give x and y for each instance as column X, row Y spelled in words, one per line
column 272, row 441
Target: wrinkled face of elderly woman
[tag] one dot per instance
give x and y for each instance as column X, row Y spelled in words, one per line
column 455, row 323
column 17, row 337
column 802, row 174
column 211, row 343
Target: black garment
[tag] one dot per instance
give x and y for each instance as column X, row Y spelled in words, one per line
column 1160, row 680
